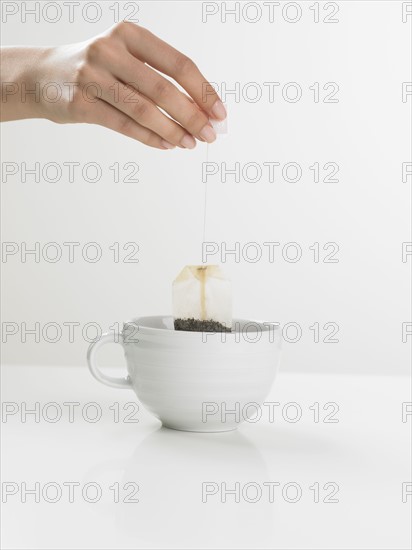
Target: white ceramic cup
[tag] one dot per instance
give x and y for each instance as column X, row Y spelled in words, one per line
column 194, row 381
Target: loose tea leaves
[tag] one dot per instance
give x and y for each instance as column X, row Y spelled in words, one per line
column 195, row 325
column 202, row 300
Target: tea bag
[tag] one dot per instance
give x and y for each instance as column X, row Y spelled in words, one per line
column 202, row 299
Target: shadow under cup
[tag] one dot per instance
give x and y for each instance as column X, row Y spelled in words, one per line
column 196, row 381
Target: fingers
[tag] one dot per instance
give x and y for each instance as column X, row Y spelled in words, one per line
column 109, row 117
column 166, row 95
column 137, row 107
column 155, row 52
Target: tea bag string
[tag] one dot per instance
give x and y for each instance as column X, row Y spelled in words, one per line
column 205, row 202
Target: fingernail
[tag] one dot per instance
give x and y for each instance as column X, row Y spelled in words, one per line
column 167, row 145
column 207, row 133
column 218, row 110
column 188, row 142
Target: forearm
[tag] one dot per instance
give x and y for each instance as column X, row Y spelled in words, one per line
column 21, row 83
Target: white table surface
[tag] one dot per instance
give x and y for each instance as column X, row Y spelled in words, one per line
column 366, row 453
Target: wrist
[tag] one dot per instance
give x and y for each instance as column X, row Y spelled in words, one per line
column 23, row 83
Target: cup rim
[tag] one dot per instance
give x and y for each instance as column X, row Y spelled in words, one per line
column 265, row 326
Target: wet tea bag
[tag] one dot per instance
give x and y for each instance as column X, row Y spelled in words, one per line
column 202, row 299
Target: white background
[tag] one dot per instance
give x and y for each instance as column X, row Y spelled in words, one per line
column 365, row 450
column 367, row 133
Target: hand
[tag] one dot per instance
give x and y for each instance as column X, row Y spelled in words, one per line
column 109, row 80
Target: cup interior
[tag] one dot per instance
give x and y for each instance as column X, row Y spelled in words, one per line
column 166, row 323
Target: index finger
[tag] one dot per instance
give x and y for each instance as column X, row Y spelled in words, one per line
column 161, row 56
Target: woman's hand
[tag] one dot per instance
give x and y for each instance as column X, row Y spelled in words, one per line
column 109, row 80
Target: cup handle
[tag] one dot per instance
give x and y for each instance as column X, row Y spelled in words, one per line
column 107, row 338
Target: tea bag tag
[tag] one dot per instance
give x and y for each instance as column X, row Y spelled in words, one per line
column 219, row 126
